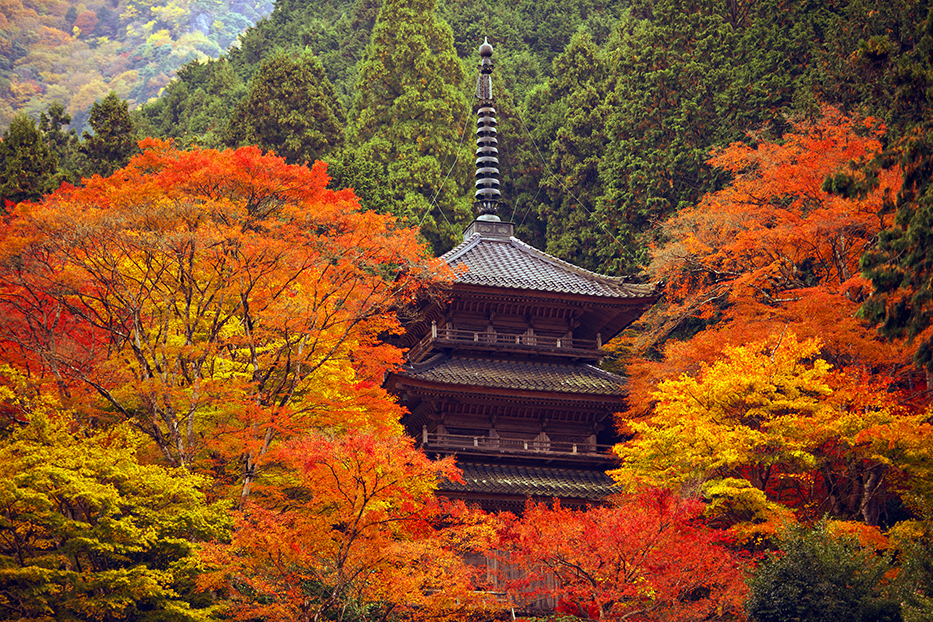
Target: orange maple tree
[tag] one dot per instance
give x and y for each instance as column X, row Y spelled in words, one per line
column 770, row 251
column 217, row 300
column 353, row 526
column 646, row 557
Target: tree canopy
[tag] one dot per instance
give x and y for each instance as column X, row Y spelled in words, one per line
column 89, row 531
column 208, row 296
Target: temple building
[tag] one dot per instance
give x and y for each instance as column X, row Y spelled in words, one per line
column 503, row 372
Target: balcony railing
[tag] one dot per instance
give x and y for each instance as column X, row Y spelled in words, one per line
column 447, row 336
column 488, row 444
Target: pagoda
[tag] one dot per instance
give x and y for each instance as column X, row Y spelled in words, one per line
column 503, row 372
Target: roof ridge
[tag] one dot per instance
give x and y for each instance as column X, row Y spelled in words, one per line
column 567, row 378
column 430, row 363
column 607, row 374
column 550, row 469
column 461, row 248
column 506, row 261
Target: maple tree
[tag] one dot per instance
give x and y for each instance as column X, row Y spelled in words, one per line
column 644, row 557
column 771, row 250
column 214, row 300
column 352, row 528
column 776, row 416
column 88, row 531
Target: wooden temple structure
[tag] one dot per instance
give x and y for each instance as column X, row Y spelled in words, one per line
column 503, row 373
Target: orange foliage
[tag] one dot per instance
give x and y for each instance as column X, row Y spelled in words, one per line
column 53, row 37
column 353, row 526
column 217, row 300
column 769, row 252
column 86, row 22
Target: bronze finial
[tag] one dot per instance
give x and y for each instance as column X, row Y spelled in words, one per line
column 487, row 194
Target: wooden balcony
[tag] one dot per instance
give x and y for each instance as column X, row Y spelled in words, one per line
column 515, row 343
column 512, row 446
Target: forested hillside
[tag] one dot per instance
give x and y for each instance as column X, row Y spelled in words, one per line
column 75, row 53
column 195, row 296
column 610, row 111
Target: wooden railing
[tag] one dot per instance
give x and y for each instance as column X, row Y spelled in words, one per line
column 488, row 339
column 463, row 442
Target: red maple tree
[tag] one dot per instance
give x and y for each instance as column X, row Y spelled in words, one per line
column 646, row 557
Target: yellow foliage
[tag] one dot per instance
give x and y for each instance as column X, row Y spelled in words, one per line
column 752, row 518
column 88, row 94
column 22, row 92
column 172, row 14
column 160, row 37
column 747, row 409
column 129, row 14
column 773, row 416
column 124, row 82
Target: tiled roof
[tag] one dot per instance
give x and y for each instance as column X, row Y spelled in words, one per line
column 509, row 262
column 520, row 375
column 532, row 481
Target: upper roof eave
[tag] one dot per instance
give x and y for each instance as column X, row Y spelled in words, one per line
column 509, row 263
column 559, row 380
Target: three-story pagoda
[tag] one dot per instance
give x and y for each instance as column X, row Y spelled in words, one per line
column 503, row 373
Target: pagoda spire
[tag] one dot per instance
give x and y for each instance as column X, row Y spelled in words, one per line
column 487, row 194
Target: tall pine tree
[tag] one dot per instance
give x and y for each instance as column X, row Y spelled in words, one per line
column 572, row 117
column 410, row 107
column 688, row 78
column 114, row 138
column 291, row 109
column 27, row 165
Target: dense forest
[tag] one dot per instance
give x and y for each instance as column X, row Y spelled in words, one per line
column 75, row 53
column 198, row 274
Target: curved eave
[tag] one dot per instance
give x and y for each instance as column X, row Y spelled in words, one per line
column 427, row 388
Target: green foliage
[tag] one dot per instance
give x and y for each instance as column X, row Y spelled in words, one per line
column 114, row 140
column 572, row 121
column 290, row 109
column 528, row 36
column 901, row 266
column 88, row 532
column 347, row 169
column 63, row 145
column 687, row 79
column 821, row 578
column 409, row 109
column 915, row 578
column 337, row 32
column 27, row 164
column 195, row 107
column 873, row 58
